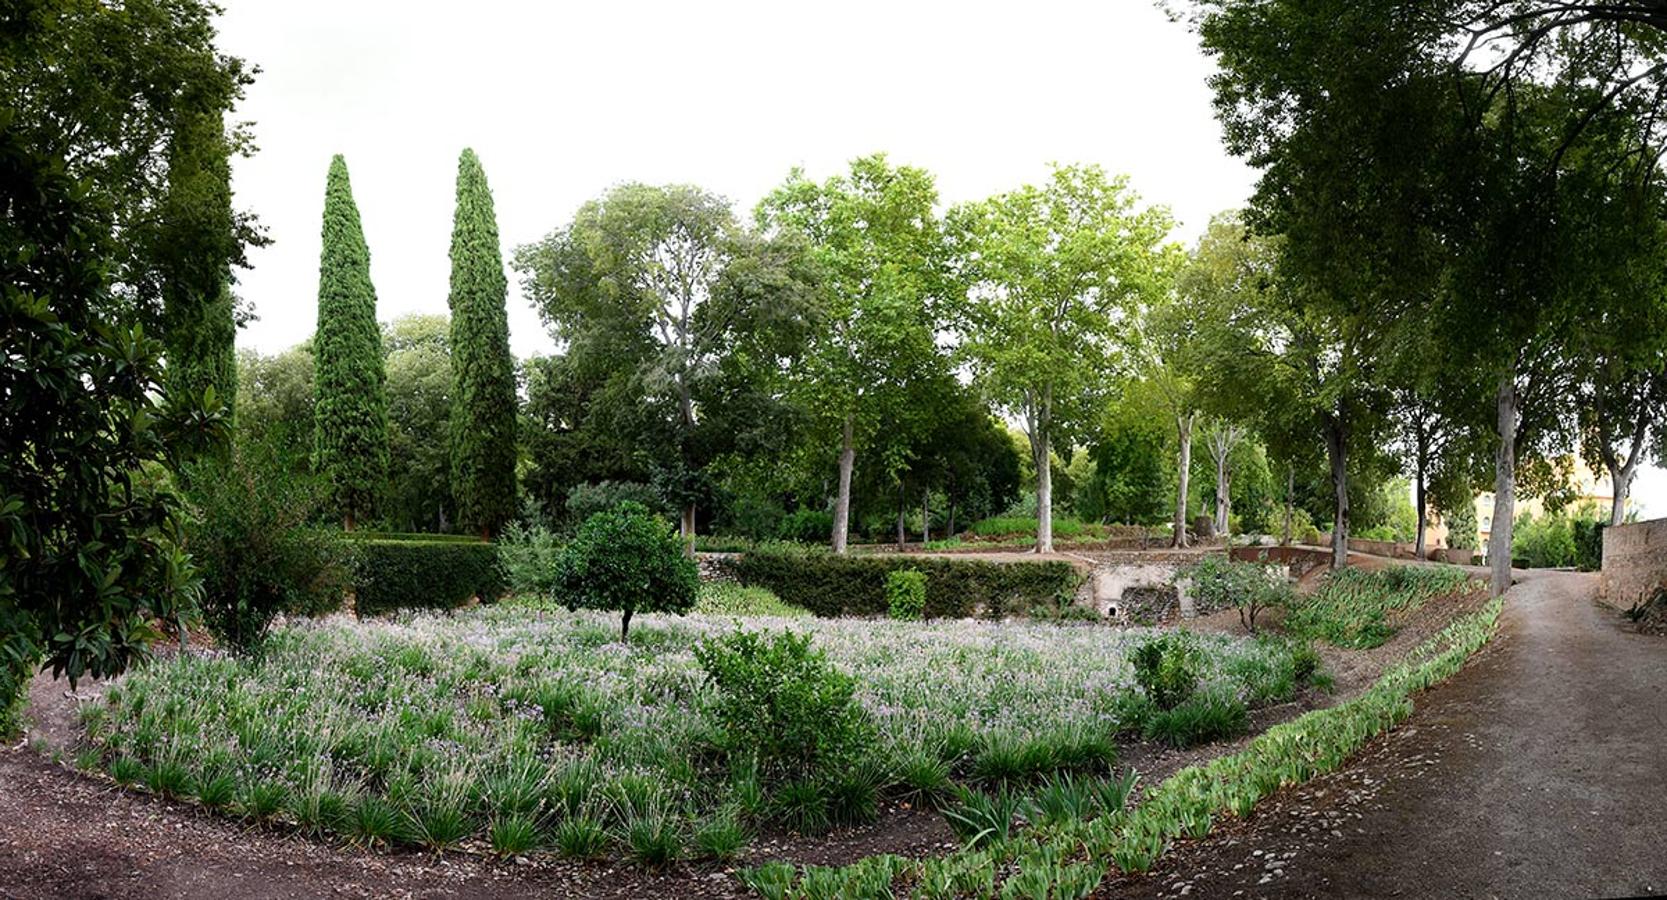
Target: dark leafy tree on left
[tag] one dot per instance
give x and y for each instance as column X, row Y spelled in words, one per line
column 92, row 561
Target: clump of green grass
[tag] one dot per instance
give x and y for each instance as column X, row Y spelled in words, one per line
column 1358, row 608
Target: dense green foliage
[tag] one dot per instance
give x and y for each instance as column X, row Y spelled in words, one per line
column 833, row 585
column 419, row 388
column 1222, row 583
column 1166, row 668
column 1588, row 545
column 199, row 244
column 1361, row 608
column 256, row 542
column 417, row 571
column 350, row 406
column 92, row 549
column 627, row 561
column 781, row 704
column 483, row 402
column 93, row 558
column 905, row 594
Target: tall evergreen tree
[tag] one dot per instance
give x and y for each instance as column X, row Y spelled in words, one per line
column 483, row 372
column 198, row 241
column 351, row 415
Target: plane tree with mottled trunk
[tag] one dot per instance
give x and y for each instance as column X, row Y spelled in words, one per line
column 1055, row 274
column 876, row 243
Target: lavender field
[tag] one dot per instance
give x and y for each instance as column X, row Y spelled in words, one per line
column 529, row 728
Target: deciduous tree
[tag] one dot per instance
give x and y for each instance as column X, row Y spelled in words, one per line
column 1055, row 273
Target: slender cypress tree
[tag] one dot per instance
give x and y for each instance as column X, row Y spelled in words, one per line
column 351, row 414
column 196, row 244
column 483, row 372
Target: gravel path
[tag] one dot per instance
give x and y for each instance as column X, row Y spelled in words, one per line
column 1539, row 771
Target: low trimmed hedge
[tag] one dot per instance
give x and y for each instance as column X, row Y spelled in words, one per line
column 830, row 585
column 420, row 572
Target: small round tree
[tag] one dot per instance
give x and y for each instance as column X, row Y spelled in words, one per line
column 626, row 559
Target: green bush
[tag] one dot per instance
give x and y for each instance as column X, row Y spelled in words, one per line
column 905, row 594
column 626, row 560
column 254, row 538
column 1166, row 668
column 1222, row 583
column 781, row 702
column 1588, row 544
column 529, row 558
column 1461, row 528
column 807, row 526
column 417, row 572
column 834, row 585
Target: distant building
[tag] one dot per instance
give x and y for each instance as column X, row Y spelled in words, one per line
column 1587, row 488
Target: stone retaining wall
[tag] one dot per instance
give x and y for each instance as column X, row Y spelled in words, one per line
column 1634, row 561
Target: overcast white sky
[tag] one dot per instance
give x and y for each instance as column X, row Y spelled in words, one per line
column 561, row 100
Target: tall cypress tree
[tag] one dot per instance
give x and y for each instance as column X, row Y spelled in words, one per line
column 483, row 372
column 351, row 414
column 196, row 244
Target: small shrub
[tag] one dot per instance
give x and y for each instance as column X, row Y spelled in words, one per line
column 254, row 539
column 925, row 778
column 374, row 821
column 528, row 554
column 1251, row 588
column 906, row 594
column 782, row 702
column 625, row 560
column 854, row 794
column 1166, row 667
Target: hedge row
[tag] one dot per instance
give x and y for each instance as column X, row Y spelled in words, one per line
column 417, row 572
column 830, row 585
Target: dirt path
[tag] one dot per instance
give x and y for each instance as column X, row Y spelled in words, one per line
column 1537, row 772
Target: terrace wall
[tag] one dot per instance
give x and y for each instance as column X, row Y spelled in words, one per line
column 1634, row 561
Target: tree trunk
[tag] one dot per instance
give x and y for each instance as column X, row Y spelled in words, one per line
column 1290, row 495
column 687, row 527
column 951, row 532
column 347, row 521
column 1044, row 493
column 1504, row 487
column 1621, row 477
column 902, row 537
column 1183, row 432
column 624, row 626
column 1223, row 494
column 1422, row 503
column 842, row 505
column 1337, row 450
column 925, row 518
